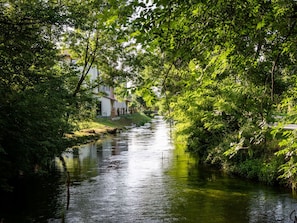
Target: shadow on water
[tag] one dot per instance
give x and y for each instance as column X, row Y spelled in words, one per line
column 35, row 199
column 138, row 176
column 203, row 194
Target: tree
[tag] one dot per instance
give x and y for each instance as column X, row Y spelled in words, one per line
column 34, row 95
column 39, row 92
column 97, row 40
column 226, row 67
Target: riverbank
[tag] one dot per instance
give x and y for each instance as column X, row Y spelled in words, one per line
column 91, row 130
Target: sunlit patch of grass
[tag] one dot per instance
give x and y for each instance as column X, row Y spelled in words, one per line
column 101, row 125
column 90, row 124
column 107, row 122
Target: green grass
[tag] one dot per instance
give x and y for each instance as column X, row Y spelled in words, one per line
column 89, row 130
column 90, row 124
column 101, row 124
column 125, row 120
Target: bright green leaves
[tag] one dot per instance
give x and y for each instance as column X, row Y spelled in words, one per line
column 112, row 20
column 192, row 65
column 261, row 24
column 101, row 39
column 135, row 34
column 232, row 66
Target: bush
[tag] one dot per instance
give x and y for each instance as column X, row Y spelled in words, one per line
column 259, row 169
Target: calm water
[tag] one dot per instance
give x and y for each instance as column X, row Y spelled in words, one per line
column 138, row 176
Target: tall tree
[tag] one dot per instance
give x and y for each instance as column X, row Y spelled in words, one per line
column 33, row 87
column 226, row 66
column 37, row 89
column 97, row 40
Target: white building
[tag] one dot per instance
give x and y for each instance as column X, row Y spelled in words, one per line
column 107, row 103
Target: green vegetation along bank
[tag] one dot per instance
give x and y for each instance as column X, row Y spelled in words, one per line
column 225, row 70
column 90, row 130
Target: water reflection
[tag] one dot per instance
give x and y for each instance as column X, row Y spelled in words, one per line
column 210, row 196
column 141, row 178
column 138, row 176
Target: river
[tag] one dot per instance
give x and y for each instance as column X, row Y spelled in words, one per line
column 139, row 176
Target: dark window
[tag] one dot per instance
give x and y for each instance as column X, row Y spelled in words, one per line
column 99, row 109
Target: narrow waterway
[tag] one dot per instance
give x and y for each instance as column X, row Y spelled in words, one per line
column 138, row 176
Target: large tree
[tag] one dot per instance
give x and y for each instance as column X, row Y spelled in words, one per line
column 226, row 67
column 40, row 92
column 34, row 93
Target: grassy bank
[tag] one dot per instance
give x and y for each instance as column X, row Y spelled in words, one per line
column 90, row 130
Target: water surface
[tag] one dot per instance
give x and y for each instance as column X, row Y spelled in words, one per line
column 138, row 176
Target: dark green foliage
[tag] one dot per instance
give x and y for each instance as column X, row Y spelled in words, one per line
column 34, row 99
column 259, row 169
column 40, row 92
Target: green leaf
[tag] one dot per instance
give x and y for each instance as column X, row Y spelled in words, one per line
column 261, row 24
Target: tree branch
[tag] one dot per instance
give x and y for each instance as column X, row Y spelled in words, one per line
column 275, row 62
column 88, row 63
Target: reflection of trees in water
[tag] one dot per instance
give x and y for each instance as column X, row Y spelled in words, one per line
column 30, row 195
column 83, row 162
column 76, row 167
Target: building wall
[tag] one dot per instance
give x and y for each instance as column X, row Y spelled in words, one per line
column 105, row 107
column 121, row 108
column 109, row 100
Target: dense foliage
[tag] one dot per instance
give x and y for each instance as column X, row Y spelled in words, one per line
column 41, row 93
column 34, row 98
column 227, row 73
column 224, row 71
